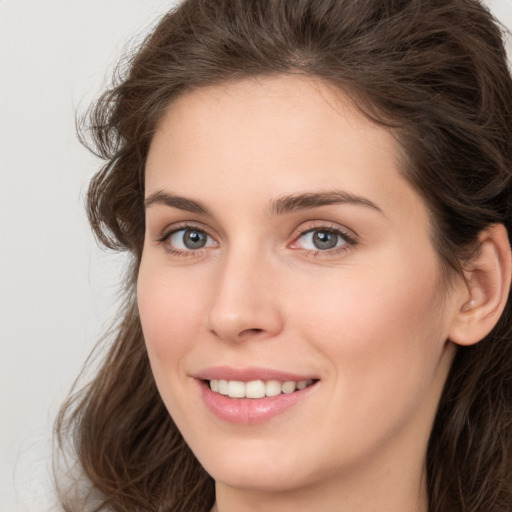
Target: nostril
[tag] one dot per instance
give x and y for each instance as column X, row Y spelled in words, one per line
column 247, row 332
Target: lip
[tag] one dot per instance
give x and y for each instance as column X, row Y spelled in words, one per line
column 250, row 411
column 248, row 374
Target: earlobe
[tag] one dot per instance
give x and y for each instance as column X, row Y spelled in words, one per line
column 487, row 280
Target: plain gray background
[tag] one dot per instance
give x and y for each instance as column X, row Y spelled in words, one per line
column 57, row 290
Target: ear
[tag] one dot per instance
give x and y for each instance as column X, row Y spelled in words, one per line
column 487, row 285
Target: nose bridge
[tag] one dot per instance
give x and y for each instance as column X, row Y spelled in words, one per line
column 243, row 303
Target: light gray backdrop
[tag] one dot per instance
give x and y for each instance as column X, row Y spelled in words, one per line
column 57, row 291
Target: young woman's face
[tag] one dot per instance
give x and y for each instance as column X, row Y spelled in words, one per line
column 289, row 264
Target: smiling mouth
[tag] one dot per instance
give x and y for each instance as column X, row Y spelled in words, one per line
column 257, row 388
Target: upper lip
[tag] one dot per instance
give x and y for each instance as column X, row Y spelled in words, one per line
column 249, row 374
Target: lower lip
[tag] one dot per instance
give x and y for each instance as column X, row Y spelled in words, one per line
column 251, row 410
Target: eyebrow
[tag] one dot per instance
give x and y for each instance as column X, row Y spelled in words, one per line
column 311, row 200
column 280, row 206
column 174, row 201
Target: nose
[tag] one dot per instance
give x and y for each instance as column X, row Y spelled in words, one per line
column 244, row 301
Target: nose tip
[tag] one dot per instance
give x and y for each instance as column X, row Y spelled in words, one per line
column 244, row 305
column 241, row 325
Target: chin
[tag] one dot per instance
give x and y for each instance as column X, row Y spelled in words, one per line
column 262, row 479
column 263, row 469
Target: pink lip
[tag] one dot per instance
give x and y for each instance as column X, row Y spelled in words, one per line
column 248, row 374
column 249, row 411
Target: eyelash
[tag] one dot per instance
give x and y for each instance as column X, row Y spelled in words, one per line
column 167, row 234
column 350, row 241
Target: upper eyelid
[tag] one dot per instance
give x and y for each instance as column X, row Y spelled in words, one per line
column 319, row 225
column 301, row 230
column 165, row 237
column 174, row 227
column 347, row 238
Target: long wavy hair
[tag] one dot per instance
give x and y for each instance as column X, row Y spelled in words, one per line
column 435, row 73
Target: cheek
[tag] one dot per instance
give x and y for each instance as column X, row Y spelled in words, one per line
column 169, row 310
column 382, row 325
column 382, row 337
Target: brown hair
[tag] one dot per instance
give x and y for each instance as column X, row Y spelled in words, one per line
column 435, row 73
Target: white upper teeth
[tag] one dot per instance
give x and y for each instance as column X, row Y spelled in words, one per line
column 256, row 388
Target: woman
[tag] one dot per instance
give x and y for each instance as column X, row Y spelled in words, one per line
column 316, row 197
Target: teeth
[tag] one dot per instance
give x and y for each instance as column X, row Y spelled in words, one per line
column 302, row 384
column 256, row 388
column 273, row 388
column 288, row 387
column 223, row 387
column 236, row 389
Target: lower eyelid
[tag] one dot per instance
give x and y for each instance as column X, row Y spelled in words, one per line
column 348, row 239
column 165, row 240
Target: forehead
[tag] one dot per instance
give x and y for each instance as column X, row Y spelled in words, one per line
column 268, row 106
column 272, row 136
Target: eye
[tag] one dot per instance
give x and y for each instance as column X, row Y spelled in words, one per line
column 322, row 239
column 188, row 239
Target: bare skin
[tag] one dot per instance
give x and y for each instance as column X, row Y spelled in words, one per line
column 295, row 245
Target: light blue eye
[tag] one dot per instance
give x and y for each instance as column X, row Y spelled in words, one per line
column 321, row 240
column 190, row 239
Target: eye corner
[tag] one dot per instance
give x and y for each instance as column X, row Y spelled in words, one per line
column 322, row 239
column 185, row 240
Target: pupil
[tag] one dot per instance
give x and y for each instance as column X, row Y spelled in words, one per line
column 194, row 239
column 325, row 240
